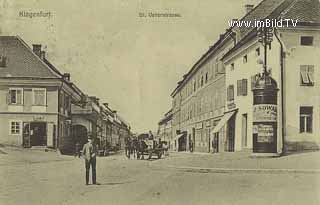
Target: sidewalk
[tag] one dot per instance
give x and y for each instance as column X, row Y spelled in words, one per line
column 10, row 155
column 241, row 162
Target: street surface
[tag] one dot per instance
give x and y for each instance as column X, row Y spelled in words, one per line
column 38, row 177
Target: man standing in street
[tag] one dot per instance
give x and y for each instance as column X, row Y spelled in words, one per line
column 89, row 152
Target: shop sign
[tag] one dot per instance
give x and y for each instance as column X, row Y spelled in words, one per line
column 265, row 133
column 264, row 113
column 38, row 118
column 199, row 125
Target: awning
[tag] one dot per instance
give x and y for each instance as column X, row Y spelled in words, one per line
column 223, row 121
column 178, row 136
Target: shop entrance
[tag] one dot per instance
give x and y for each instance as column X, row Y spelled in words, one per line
column 182, row 143
column 231, row 134
column 38, row 133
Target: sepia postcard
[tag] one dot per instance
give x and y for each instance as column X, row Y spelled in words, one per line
column 182, row 102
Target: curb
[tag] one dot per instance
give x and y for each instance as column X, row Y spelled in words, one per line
column 240, row 170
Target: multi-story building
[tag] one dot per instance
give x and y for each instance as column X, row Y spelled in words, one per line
column 199, row 99
column 35, row 98
column 87, row 120
column 293, row 60
column 165, row 129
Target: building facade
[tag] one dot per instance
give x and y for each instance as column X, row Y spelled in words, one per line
column 165, row 129
column 292, row 62
column 199, row 100
column 35, row 108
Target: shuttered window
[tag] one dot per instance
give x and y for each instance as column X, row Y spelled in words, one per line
column 306, row 75
column 230, row 93
column 242, row 87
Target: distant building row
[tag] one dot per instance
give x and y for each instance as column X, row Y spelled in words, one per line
column 39, row 106
column 213, row 103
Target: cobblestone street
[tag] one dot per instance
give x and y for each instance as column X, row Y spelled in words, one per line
column 38, row 177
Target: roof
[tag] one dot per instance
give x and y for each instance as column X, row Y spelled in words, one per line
column 305, row 11
column 22, row 61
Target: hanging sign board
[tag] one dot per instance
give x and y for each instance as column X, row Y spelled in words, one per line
column 264, row 113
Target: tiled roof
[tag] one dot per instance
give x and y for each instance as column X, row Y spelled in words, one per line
column 304, row 11
column 261, row 11
column 21, row 61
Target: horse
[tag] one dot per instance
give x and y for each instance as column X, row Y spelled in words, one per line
column 142, row 146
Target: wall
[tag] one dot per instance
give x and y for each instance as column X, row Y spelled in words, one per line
column 297, row 95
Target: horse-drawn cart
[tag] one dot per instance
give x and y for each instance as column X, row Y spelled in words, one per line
column 149, row 148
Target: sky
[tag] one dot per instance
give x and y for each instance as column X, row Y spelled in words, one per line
column 131, row 62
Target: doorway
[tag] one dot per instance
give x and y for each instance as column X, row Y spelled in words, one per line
column 231, row 134
column 244, row 130
column 38, row 134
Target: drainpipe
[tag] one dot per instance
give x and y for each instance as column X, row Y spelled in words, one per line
column 282, row 56
column 58, row 120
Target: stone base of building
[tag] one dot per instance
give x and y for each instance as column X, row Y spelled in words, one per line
column 302, row 146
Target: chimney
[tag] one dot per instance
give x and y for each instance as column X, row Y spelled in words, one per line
column 37, row 49
column 43, row 55
column 248, row 7
column 66, row 76
column 106, row 104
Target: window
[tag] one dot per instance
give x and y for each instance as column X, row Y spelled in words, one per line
column 306, row 40
column 305, row 119
column 39, row 96
column 242, row 87
column 230, row 93
column 245, row 59
column 306, row 75
column 15, row 96
column 194, row 86
column 232, row 66
column 206, row 77
column 3, row 61
column 239, row 87
column 258, row 52
column 201, row 81
column 15, row 128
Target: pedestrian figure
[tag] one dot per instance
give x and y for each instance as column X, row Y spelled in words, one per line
column 77, row 149
column 89, row 152
column 191, row 146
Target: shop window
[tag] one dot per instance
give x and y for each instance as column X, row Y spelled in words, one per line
column 306, row 75
column 39, row 96
column 305, row 119
column 15, row 127
column 15, row 96
column 306, row 40
column 3, row 61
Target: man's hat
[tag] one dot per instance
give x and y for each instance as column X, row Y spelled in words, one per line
column 90, row 135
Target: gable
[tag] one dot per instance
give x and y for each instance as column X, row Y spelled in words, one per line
column 21, row 61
